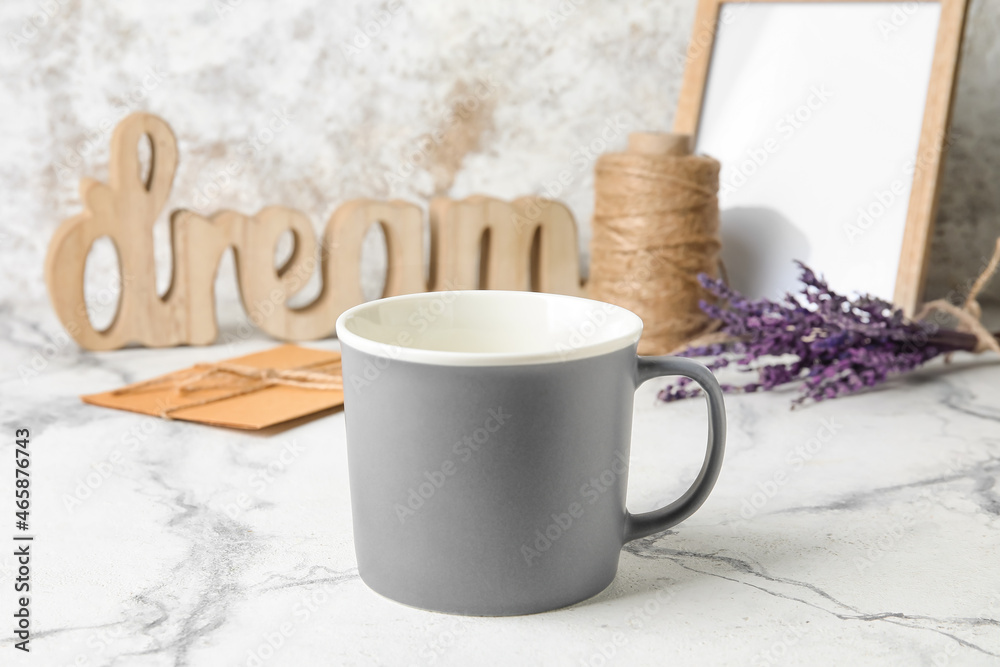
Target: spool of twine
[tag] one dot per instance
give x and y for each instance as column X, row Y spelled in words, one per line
column 655, row 228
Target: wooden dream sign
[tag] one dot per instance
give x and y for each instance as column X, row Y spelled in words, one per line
column 479, row 242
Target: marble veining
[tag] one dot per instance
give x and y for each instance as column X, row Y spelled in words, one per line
column 863, row 531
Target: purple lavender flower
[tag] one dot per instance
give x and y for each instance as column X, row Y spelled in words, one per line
column 829, row 344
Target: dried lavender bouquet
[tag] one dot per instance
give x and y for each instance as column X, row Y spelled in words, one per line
column 829, row 344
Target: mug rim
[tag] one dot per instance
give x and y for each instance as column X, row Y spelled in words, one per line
column 629, row 323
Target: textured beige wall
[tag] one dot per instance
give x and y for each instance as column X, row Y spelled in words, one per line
column 528, row 91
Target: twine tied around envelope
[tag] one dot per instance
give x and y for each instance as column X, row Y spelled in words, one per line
column 240, row 380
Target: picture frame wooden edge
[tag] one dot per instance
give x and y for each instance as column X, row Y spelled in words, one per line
column 931, row 148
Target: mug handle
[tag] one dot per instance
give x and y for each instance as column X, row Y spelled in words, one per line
column 647, row 523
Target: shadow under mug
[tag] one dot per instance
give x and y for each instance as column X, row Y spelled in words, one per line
column 488, row 442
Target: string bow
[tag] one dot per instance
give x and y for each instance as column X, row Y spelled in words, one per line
column 241, row 380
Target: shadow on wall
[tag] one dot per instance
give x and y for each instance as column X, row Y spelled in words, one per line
column 758, row 246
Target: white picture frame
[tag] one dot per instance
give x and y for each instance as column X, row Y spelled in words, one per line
column 830, row 120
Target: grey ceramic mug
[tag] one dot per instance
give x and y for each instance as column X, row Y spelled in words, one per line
column 488, row 440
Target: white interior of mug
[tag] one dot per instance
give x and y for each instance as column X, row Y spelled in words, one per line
column 487, row 327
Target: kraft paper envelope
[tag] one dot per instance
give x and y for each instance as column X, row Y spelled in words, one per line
column 299, row 384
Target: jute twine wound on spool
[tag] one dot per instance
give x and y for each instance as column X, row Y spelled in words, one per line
column 655, row 228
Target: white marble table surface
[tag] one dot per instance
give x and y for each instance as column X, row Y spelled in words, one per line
column 875, row 539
